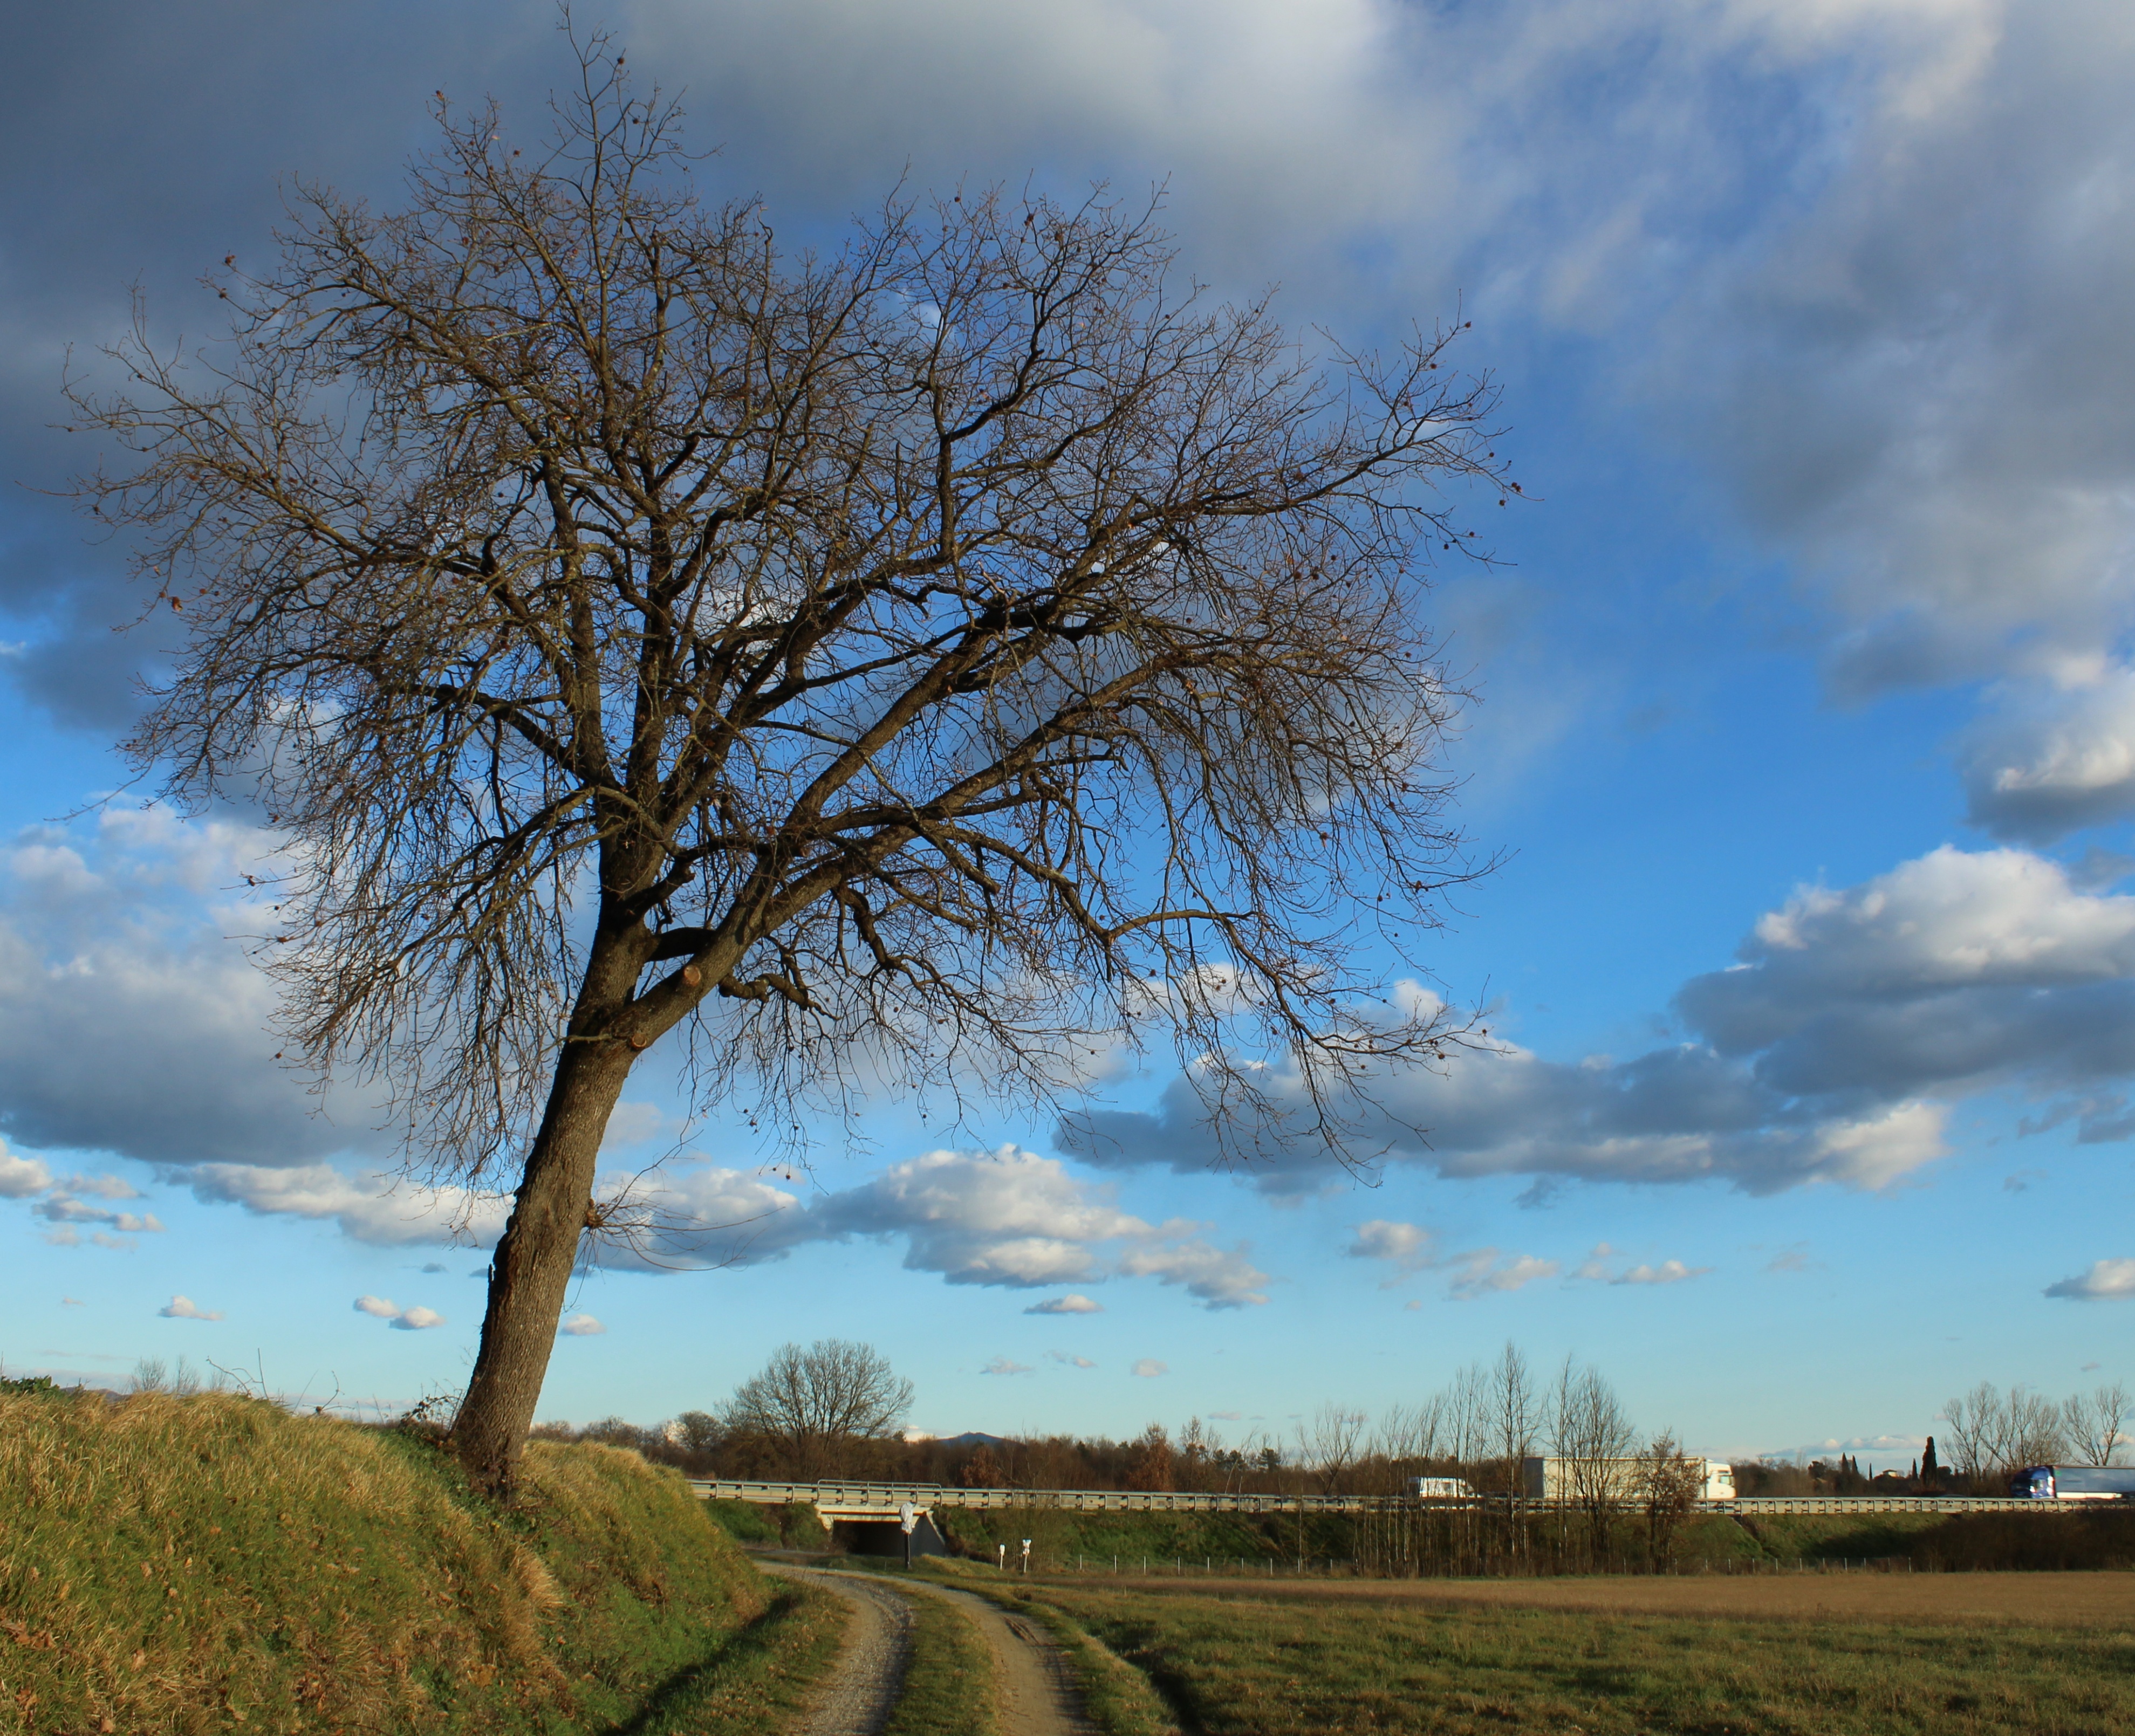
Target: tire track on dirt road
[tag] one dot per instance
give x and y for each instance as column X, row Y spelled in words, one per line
column 861, row 1691
column 1039, row 1695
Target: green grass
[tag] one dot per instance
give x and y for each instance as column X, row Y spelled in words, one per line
column 1297, row 1667
column 214, row 1563
column 950, row 1688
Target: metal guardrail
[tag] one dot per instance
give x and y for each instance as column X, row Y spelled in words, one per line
column 883, row 1500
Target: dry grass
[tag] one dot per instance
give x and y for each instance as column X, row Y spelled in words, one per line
column 211, row 1563
column 2099, row 1599
column 1300, row 1664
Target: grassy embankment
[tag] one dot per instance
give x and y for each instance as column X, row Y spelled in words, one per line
column 1930, row 1542
column 213, row 1562
column 1296, row 1665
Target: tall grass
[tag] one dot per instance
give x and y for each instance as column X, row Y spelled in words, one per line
column 189, row 1563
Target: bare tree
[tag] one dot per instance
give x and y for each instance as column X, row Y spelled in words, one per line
column 1991, row 1434
column 1515, row 1414
column 1591, row 1433
column 1976, row 1436
column 812, row 1407
column 1669, row 1483
column 899, row 666
column 2094, row 1422
column 2034, row 1431
column 1331, row 1443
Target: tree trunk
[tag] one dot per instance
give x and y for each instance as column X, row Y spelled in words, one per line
column 531, row 1269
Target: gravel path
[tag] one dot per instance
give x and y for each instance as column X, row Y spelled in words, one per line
column 1039, row 1696
column 863, row 1688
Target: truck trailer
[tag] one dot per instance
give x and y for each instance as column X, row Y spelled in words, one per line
column 1625, row 1480
column 2074, row 1483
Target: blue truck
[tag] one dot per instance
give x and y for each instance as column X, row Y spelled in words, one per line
column 2074, row 1483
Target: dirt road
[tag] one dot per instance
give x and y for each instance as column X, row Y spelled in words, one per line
column 862, row 1689
column 1038, row 1694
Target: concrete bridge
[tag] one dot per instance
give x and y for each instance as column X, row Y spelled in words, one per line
column 877, row 1503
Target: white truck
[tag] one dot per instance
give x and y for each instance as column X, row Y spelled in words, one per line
column 1625, row 1481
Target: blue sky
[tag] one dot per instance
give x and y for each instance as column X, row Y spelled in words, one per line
column 1806, row 725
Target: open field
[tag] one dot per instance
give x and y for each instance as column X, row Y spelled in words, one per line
column 1861, row 1654
column 2054, row 1600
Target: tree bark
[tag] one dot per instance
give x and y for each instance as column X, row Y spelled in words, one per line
column 531, row 1269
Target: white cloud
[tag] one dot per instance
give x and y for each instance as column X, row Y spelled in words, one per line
column 1485, row 1272
column 21, row 1178
column 1221, row 1277
column 368, row 1207
column 406, row 1320
column 184, row 1307
column 60, row 1202
column 1003, row 1365
column 1147, row 1368
column 1406, row 1248
column 1007, row 1217
column 581, row 1326
column 1069, row 1304
column 1668, row 1271
column 1069, row 1358
column 2108, row 1281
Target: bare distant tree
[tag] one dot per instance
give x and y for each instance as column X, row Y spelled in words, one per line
column 2095, row 1423
column 1990, row 1434
column 1976, row 1432
column 901, row 664
column 1467, row 1407
column 2036, row 1430
column 812, row 1407
column 1330, row 1443
column 1516, row 1413
column 1669, row 1484
column 1200, row 1447
column 1590, row 1432
column 1410, row 1437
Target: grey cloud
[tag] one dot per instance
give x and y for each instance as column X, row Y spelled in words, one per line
column 2048, row 764
column 1921, row 379
column 129, row 1025
column 1829, row 1053
column 2107, row 1280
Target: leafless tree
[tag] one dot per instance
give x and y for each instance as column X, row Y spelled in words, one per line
column 1330, row 1443
column 1199, row 1449
column 1975, row 1437
column 894, row 667
column 2094, row 1422
column 1516, row 1414
column 1593, row 1436
column 813, row 1407
column 1669, row 1483
column 2036, row 1435
column 1992, row 1434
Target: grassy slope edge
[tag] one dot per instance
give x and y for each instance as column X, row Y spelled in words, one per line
column 212, row 1563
